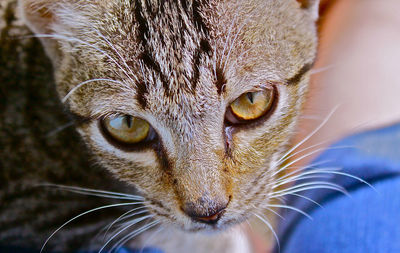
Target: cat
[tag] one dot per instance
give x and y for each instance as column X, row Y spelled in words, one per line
column 193, row 103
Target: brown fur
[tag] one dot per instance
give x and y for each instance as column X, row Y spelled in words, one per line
column 178, row 65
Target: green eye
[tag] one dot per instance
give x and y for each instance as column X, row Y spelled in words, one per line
column 127, row 129
column 251, row 105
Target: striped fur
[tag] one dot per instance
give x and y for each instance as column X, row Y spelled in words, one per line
column 179, row 64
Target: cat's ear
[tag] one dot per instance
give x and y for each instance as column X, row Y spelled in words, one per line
column 311, row 6
column 39, row 16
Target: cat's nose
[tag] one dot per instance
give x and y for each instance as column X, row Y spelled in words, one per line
column 205, row 215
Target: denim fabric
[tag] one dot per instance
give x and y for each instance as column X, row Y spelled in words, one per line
column 367, row 221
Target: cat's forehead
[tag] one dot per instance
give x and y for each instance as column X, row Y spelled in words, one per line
column 174, row 49
column 181, row 47
column 188, row 56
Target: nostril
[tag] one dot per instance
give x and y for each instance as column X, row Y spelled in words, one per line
column 208, row 216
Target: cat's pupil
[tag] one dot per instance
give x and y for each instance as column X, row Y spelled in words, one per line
column 250, row 97
column 128, row 120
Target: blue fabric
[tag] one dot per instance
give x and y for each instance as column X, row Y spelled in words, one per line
column 365, row 222
column 122, row 250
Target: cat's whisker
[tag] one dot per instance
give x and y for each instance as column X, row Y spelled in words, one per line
column 227, row 39
column 296, row 170
column 336, row 171
column 304, row 174
column 306, row 198
column 118, row 53
column 82, row 214
column 240, row 57
column 312, row 183
column 60, row 129
column 125, row 216
column 133, row 234
column 321, row 172
column 265, row 221
column 233, row 42
column 322, row 69
column 310, row 117
column 126, row 226
column 296, row 160
column 309, row 135
column 291, row 208
column 106, row 196
column 313, row 146
column 88, row 191
column 306, row 188
column 299, row 178
column 287, row 166
column 148, row 239
column 274, row 212
column 308, row 184
column 72, row 39
column 78, row 86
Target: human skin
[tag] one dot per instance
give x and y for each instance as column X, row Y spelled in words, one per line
column 359, row 46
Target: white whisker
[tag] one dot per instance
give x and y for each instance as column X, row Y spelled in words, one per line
column 309, row 184
column 264, row 220
column 295, row 170
column 82, row 214
column 150, row 237
column 59, row 129
column 94, row 191
column 119, row 55
column 332, row 171
column 313, row 146
column 323, row 69
column 291, row 208
column 306, row 198
column 86, row 82
column 295, row 161
column 298, row 178
column 130, row 236
column 127, row 225
column 274, row 212
column 233, row 43
column 310, row 134
column 72, row 39
column 125, row 216
column 227, row 41
column 281, row 194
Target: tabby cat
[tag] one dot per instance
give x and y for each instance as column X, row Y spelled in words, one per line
column 192, row 102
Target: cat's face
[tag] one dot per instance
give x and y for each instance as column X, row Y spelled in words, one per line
column 200, row 99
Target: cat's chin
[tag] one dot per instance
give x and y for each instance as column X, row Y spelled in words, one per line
column 206, row 229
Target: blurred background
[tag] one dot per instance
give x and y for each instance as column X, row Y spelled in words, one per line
column 357, row 71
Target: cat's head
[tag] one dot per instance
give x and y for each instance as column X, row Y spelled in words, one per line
column 193, row 102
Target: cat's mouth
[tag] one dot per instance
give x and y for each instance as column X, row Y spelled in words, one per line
column 212, row 224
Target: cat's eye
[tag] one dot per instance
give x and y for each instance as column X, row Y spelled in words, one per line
column 250, row 106
column 127, row 129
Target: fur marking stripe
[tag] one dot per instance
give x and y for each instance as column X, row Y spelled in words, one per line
column 143, row 35
column 297, row 77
